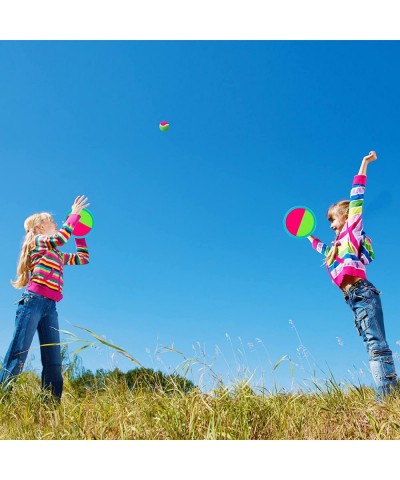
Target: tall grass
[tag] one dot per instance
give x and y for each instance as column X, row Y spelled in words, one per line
column 242, row 410
column 117, row 412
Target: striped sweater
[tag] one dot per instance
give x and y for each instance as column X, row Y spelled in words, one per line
column 354, row 248
column 46, row 261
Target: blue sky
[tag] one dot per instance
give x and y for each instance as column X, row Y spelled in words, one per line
column 189, row 249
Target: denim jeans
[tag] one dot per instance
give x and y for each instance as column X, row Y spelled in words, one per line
column 363, row 298
column 35, row 312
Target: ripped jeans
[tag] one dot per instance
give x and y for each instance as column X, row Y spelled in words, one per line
column 363, row 298
column 35, row 313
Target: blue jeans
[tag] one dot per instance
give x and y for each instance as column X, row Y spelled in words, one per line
column 35, row 312
column 363, row 298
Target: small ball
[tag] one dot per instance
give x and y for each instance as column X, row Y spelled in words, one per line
column 164, row 126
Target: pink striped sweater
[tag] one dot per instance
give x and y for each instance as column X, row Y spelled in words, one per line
column 352, row 252
column 46, row 261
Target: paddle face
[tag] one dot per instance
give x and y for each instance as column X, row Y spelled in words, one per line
column 300, row 222
column 85, row 224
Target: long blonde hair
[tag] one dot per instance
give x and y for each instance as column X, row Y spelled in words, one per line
column 31, row 224
column 341, row 209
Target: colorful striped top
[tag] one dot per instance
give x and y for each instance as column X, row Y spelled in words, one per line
column 354, row 248
column 46, row 261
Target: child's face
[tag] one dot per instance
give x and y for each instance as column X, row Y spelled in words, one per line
column 337, row 222
column 48, row 227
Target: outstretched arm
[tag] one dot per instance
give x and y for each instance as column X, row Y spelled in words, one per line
column 82, row 255
column 358, row 189
column 62, row 236
column 371, row 157
column 319, row 246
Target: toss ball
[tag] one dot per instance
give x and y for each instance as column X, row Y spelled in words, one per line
column 164, row 126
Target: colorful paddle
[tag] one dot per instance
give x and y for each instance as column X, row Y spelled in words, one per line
column 85, row 224
column 300, row 222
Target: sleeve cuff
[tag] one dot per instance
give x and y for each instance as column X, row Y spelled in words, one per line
column 360, row 180
column 80, row 242
column 72, row 220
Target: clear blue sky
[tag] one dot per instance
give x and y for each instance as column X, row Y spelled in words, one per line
column 189, row 249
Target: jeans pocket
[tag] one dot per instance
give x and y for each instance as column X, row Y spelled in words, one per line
column 21, row 308
column 375, row 290
column 363, row 294
column 24, row 299
column 361, row 320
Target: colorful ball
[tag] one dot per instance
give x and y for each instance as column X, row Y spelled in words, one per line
column 85, row 224
column 300, row 222
column 164, row 126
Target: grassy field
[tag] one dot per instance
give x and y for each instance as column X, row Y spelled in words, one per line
column 115, row 411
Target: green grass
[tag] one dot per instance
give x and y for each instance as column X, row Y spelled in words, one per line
column 115, row 411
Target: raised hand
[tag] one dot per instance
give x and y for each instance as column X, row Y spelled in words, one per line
column 79, row 203
column 370, row 157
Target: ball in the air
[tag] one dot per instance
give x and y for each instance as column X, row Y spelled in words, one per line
column 164, row 126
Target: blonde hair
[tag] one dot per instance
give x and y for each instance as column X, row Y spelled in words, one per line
column 30, row 225
column 341, row 209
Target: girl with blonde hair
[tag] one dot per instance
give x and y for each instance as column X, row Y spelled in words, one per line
column 346, row 260
column 40, row 271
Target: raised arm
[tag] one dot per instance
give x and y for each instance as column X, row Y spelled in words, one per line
column 371, row 157
column 62, row 236
column 358, row 189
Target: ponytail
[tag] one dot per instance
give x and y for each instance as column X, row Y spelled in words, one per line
column 24, row 263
